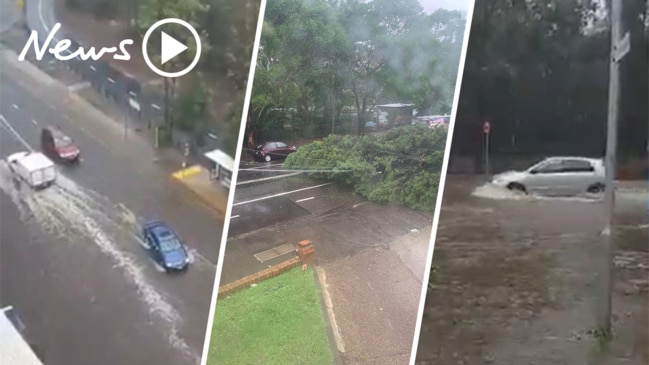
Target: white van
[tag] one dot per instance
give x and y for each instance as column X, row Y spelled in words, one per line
column 34, row 168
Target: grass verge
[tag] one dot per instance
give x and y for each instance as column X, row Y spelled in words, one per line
column 280, row 321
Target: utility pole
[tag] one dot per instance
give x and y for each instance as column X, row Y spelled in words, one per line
column 620, row 46
column 333, row 98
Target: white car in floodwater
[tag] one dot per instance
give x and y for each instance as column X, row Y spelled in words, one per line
column 556, row 176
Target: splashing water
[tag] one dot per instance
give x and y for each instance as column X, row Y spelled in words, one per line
column 494, row 192
column 66, row 208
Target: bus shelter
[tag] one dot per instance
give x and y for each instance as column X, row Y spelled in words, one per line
column 221, row 166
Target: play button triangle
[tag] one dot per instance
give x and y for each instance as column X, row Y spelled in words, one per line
column 170, row 47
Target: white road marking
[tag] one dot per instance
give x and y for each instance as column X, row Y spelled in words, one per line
column 305, row 199
column 15, row 106
column 234, row 216
column 280, row 194
column 292, row 170
column 359, row 204
column 11, row 129
column 267, row 178
column 79, row 86
column 265, row 166
column 34, row 122
column 155, row 106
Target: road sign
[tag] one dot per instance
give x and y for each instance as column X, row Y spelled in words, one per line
column 622, row 48
column 486, row 127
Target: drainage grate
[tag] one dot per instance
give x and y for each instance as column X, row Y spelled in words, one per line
column 275, row 252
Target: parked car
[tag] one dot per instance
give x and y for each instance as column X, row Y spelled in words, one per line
column 58, row 146
column 34, row 168
column 558, row 176
column 165, row 246
column 273, row 151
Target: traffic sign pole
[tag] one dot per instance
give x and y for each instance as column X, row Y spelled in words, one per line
column 486, row 129
column 619, row 48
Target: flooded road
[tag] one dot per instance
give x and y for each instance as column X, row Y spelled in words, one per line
column 515, row 278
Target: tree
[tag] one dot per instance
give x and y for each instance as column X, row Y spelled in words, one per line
column 538, row 71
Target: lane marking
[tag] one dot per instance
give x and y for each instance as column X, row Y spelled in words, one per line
column 305, row 199
column 79, row 86
column 34, row 122
column 234, row 216
column 267, row 178
column 294, row 170
column 11, row 129
column 15, row 106
column 155, row 106
column 262, row 167
column 359, row 204
column 280, row 194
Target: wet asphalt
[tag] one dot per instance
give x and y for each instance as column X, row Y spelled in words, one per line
column 71, row 262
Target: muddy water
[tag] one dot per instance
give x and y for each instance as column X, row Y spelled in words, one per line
column 515, row 278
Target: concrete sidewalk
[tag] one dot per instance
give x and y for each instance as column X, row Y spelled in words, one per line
column 374, row 300
column 196, row 179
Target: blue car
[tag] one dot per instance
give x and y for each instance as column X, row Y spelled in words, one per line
column 165, row 247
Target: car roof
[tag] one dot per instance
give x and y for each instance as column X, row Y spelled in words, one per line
column 591, row 159
column 150, row 225
column 36, row 161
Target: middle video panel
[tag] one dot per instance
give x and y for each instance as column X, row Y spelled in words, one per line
column 337, row 182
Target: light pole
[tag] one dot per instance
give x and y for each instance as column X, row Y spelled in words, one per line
column 620, row 47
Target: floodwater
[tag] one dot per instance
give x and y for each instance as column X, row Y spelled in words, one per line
column 516, row 277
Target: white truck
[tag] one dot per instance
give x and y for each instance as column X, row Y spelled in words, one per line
column 34, row 168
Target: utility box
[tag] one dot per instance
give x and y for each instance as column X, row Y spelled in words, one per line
column 305, row 251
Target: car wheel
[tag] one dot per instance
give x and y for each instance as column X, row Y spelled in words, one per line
column 517, row 187
column 595, row 188
column 267, row 158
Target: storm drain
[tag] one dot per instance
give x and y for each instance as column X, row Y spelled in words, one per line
column 275, row 252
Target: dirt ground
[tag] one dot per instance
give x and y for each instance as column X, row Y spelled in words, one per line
column 515, row 281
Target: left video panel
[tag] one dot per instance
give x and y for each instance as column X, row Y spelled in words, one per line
column 117, row 123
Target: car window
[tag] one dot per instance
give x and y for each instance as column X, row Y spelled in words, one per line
column 281, row 145
column 272, row 146
column 169, row 243
column 577, row 166
column 549, row 167
column 62, row 140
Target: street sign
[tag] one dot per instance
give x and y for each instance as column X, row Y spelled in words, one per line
column 622, row 48
column 486, row 127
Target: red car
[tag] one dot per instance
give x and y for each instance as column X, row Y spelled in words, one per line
column 273, row 151
column 59, row 146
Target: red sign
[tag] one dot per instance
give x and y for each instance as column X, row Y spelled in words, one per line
column 486, row 127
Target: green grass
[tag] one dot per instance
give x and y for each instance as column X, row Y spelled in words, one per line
column 280, row 321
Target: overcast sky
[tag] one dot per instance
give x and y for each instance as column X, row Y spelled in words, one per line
column 432, row 5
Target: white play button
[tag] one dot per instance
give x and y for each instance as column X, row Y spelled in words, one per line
column 170, row 48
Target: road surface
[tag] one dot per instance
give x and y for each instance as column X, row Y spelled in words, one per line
column 516, row 278
column 71, row 262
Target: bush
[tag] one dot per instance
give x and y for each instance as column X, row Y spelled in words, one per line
column 401, row 166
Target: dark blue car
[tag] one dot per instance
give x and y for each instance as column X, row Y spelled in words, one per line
column 164, row 246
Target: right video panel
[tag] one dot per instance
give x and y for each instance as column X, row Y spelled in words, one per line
column 541, row 253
